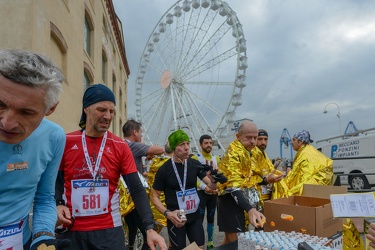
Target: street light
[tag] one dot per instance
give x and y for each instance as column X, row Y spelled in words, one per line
column 338, row 112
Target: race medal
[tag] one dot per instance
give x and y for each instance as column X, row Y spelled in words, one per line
column 94, row 169
column 182, row 185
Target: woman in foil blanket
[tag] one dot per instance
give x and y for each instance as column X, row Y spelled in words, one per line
column 309, row 167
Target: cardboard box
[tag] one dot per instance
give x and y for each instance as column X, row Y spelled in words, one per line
column 320, row 191
column 366, row 225
column 305, row 212
column 192, row 246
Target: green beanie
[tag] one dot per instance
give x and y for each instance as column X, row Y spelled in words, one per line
column 176, row 138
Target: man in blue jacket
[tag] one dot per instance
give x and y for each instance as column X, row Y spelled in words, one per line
column 31, row 148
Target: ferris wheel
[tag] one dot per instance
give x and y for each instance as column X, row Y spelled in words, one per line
column 192, row 72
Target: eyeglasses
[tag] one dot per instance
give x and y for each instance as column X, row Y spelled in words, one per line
column 64, row 227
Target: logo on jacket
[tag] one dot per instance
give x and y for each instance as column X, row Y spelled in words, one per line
column 17, row 166
column 17, row 150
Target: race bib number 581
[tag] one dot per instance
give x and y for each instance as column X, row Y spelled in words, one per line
column 90, row 197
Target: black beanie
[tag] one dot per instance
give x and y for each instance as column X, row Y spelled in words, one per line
column 93, row 94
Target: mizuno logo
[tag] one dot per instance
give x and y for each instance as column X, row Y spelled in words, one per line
column 7, row 232
column 89, row 183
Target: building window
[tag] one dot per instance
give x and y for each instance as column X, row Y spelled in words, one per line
column 58, row 48
column 120, row 101
column 114, row 84
column 120, row 124
column 114, row 92
column 86, row 81
column 88, row 76
column 114, row 125
column 126, row 110
column 120, row 72
column 88, row 30
column 104, row 67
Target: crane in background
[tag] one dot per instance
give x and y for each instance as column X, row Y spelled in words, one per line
column 351, row 129
column 286, row 140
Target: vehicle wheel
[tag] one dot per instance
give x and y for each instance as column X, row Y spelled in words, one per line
column 359, row 182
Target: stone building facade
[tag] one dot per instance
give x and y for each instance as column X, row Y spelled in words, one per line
column 83, row 37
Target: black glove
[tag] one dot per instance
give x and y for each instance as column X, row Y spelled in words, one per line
column 218, row 177
column 59, row 244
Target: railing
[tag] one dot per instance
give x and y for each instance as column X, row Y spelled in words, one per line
column 346, row 135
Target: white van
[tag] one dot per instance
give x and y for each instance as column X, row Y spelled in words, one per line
column 352, row 154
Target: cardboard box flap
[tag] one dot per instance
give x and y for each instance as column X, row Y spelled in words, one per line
column 310, row 201
column 320, row 191
column 302, row 201
column 192, row 246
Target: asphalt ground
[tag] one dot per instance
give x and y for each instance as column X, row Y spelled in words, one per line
column 218, row 236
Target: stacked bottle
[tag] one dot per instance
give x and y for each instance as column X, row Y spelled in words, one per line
column 279, row 240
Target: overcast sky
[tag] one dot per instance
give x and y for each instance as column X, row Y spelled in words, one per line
column 302, row 55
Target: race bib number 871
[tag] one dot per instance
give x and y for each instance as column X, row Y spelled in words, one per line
column 188, row 200
column 90, row 197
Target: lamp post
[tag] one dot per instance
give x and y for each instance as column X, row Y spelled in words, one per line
column 338, row 112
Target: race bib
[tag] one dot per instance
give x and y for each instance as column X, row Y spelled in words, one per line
column 188, row 200
column 90, row 197
column 11, row 237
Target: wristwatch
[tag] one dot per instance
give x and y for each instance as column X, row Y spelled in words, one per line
column 152, row 226
column 166, row 212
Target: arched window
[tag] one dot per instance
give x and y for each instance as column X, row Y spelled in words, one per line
column 88, row 76
column 88, row 32
column 104, row 66
column 114, row 85
column 58, row 48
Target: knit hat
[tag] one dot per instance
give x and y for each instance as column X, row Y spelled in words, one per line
column 93, row 94
column 176, row 138
column 303, row 136
column 262, row 132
